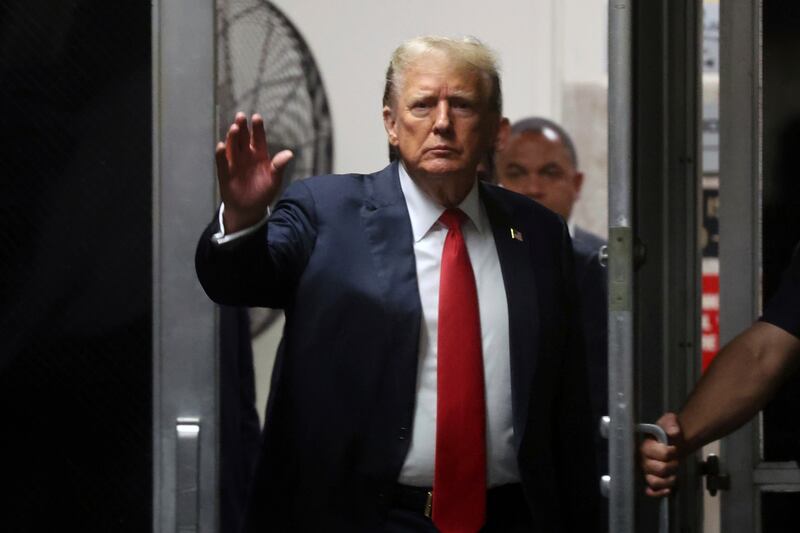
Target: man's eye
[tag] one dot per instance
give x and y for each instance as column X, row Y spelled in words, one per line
column 461, row 104
column 420, row 109
column 552, row 172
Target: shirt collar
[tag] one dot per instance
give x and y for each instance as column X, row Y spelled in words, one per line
column 424, row 211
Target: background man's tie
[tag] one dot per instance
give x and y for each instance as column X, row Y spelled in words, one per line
column 459, row 484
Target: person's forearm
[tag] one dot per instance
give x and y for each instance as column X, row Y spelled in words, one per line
column 741, row 379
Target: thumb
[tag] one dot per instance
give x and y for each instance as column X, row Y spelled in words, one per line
column 280, row 160
column 669, row 423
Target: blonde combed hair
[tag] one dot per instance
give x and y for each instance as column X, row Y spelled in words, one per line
column 466, row 52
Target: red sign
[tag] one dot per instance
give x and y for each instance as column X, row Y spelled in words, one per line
column 710, row 310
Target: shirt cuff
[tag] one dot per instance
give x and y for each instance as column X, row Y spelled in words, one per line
column 220, row 237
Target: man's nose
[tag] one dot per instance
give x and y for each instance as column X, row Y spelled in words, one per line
column 442, row 118
column 534, row 187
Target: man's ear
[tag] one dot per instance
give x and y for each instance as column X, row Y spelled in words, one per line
column 390, row 124
column 503, row 133
column 577, row 182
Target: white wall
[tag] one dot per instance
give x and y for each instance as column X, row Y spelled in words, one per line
column 580, row 101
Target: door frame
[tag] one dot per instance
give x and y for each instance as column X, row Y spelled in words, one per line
column 741, row 171
column 185, row 361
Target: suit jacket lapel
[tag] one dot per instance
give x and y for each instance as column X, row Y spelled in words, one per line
column 391, row 243
column 520, row 285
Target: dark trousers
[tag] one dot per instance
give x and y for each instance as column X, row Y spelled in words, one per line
column 506, row 512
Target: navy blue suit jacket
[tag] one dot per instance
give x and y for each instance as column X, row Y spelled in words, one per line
column 239, row 424
column 337, row 256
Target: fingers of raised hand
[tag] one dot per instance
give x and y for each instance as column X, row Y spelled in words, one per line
column 243, row 135
column 232, row 144
column 221, row 158
column 259, row 137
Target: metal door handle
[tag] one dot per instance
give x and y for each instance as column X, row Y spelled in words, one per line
column 187, row 482
column 661, row 436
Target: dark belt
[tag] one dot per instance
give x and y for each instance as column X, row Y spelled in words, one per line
column 420, row 499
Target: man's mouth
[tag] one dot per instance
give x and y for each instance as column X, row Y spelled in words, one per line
column 441, row 149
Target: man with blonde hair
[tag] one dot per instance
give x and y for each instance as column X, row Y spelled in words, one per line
column 429, row 377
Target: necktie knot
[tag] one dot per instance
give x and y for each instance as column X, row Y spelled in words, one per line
column 453, row 218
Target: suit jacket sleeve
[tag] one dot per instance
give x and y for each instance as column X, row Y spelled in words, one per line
column 574, row 427
column 262, row 268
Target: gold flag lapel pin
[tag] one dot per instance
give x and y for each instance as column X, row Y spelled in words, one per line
column 516, row 235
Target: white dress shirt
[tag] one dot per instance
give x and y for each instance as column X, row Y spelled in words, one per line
column 429, row 235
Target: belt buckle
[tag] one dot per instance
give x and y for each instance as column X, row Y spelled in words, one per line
column 429, row 504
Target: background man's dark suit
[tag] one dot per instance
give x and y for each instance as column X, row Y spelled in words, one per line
column 590, row 277
column 337, row 255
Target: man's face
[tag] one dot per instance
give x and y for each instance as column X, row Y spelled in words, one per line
column 538, row 166
column 441, row 124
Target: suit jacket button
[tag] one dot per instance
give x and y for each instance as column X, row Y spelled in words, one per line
column 403, row 435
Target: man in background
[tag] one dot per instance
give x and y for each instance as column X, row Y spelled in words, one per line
column 537, row 158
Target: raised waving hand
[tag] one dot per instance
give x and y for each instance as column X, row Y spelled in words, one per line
column 249, row 179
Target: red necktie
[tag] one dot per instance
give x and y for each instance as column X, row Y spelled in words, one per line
column 459, row 483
